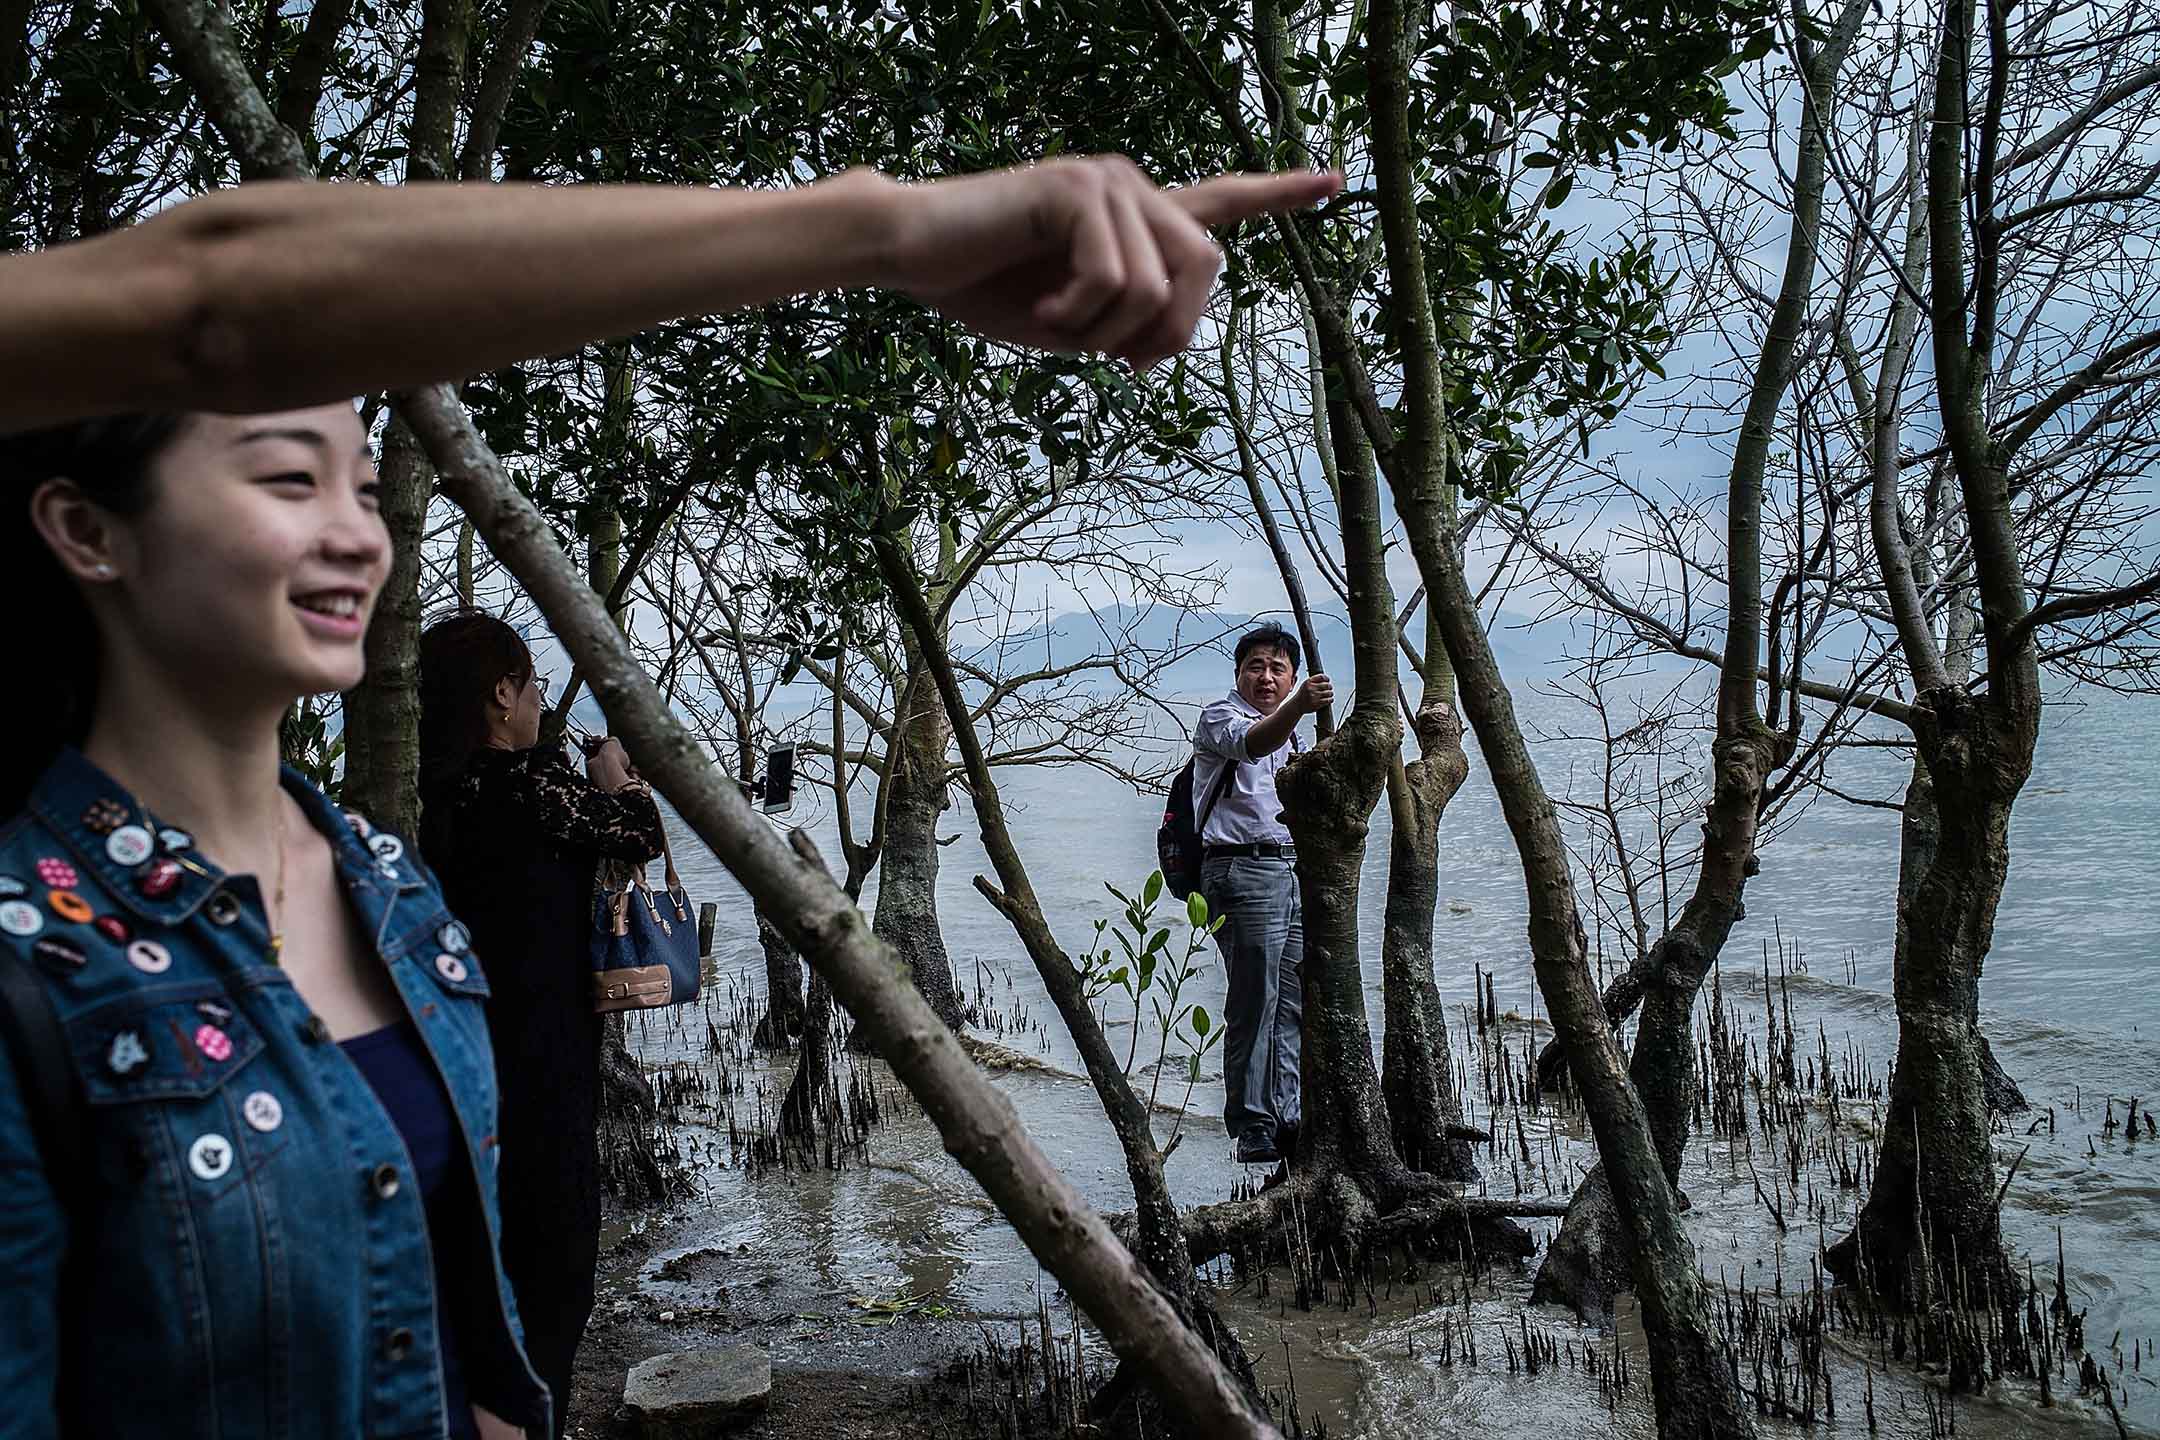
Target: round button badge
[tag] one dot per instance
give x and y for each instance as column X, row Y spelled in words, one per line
column 149, row 957
column 452, row 938
column 70, row 906
column 210, row 1157
column 129, row 845
column 450, row 968
column 214, row 1043
column 18, row 917
column 263, row 1111
column 175, row 839
column 388, row 848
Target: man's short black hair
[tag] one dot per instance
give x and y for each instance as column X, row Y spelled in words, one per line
column 1270, row 634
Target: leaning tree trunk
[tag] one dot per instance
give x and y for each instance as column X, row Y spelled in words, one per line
column 1930, row 1228
column 907, row 913
column 1156, row 1235
column 1423, row 1106
column 978, row 1125
column 1589, row 1261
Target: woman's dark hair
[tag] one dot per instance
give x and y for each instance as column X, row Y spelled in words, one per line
column 1270, row 634
column 110, row 461
column 461, row 658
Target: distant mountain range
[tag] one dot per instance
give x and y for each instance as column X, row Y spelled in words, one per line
column 1207, row 637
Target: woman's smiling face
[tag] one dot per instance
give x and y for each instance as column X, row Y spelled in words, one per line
column 259, row 558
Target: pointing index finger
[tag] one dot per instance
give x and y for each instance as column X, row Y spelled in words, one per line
column 1227, row 199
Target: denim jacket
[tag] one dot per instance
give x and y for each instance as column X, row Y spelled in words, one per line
column 250, row 1259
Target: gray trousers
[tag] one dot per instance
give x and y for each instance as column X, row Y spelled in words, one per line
column 1263, row 951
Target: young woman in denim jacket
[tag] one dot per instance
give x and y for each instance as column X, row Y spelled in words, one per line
column 280, row 1218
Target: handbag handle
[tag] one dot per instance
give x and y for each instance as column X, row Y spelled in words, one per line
column 667, row 856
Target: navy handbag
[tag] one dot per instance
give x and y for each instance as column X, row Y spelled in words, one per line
column 645, row 942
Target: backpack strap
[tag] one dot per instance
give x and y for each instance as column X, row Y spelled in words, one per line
column 1220, row 788
column 44, row 1071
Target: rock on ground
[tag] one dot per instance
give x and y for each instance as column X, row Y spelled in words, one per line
column 692, row 1393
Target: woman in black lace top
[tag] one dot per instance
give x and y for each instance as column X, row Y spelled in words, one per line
column 516, row 836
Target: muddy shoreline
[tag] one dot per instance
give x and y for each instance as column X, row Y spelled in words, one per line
column 872, row 1268
column 899, row 1384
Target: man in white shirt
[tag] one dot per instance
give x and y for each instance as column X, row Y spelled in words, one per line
column 1248, row 874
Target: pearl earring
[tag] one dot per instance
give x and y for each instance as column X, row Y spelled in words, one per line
column 104, row 571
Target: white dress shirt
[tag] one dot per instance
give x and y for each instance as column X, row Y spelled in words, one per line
column 1248, row 812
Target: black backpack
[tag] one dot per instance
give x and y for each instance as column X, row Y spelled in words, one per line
column 1177, row 839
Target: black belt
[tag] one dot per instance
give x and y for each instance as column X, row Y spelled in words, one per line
column 1265, row 850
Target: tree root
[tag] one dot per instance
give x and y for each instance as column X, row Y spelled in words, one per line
column 1333, row 1207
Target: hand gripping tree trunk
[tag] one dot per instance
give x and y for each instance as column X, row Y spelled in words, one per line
column 1349, row 1186
column 1158, row 1236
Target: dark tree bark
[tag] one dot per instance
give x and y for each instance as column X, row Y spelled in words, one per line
column 1919, row 836
column 520, row 23
column 1931, row 1226
column 1328, row 797
column 907, row 914
column 813, row 1076
column 301, row 90
column 1424, row 1108
column 382, row 714
column 1930, row 1229
column 784, row 1019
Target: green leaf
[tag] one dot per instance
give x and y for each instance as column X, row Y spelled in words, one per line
column 1201, row 1024
column 1196, row 910
column 1152, row 890
column 1557, row 192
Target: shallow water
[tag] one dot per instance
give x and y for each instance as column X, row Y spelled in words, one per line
column 2068, row 1002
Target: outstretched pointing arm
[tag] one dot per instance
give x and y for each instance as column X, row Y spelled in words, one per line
column 288, row 293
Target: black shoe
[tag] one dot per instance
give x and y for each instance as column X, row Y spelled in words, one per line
column 1275, row 1177
column 1256, row 1146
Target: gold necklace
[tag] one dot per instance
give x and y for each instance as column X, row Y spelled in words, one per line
column 277, row 914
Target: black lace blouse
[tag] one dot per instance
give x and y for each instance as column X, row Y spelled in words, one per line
column 516, row 840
